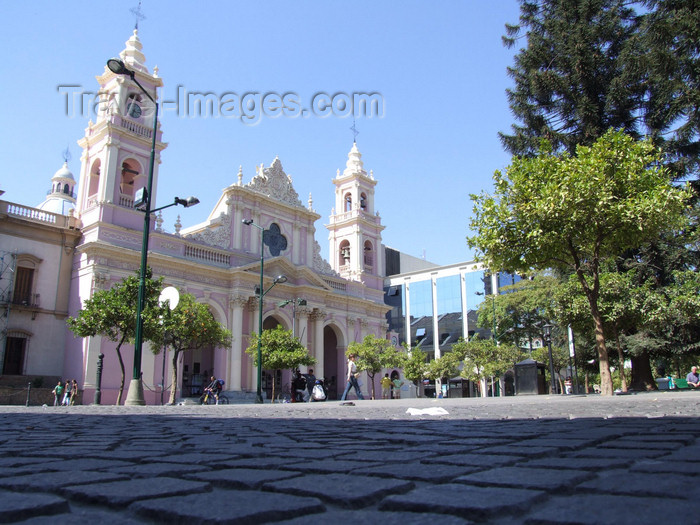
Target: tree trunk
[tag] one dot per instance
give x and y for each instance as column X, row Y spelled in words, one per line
column 274, row 377
column 622, row 362
column 371, row 380
column 121, row 365
column 173, row 378
column 642, row 376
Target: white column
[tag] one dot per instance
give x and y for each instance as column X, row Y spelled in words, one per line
column 318, row 317
column 234, row 372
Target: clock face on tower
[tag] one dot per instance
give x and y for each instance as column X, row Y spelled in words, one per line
column 133, row 110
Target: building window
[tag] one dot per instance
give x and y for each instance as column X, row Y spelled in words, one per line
column 14, row 355
column 24, row 280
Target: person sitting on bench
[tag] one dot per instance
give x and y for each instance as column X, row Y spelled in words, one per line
column 692, row 378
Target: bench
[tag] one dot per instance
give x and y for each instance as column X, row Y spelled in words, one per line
column 681, row 384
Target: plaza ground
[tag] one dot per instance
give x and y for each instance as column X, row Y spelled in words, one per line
column 524, row 459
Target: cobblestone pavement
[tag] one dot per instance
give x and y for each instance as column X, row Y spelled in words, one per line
column 536, row 459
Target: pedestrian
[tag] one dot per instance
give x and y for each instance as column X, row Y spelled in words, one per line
column 351, row 379
column 66, row 393
column 310, row 382
column 386, row 386
column 73, row 392
column 397, row 388
column 58, row 393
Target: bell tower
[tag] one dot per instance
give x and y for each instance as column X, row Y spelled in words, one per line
column 117, row 147
column 355, row 227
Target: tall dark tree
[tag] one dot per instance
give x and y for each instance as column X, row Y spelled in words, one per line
column 571, row 83
column 669, row 58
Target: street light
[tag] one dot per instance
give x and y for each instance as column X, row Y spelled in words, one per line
column 295, row 303
column 135, row 395
column 547, row 336
column 261, row 294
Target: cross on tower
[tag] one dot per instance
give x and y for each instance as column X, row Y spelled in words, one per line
column 355, row 133
column 138, row 14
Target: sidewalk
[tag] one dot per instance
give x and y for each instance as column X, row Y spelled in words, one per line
column 535, row 459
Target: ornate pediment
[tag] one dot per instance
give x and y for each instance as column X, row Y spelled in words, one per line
column 216, row 234
column 320, row 264
column 275, row 183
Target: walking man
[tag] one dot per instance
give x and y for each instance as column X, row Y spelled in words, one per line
column 352, row 379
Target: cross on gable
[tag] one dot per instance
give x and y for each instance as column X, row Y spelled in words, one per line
column 274, row 240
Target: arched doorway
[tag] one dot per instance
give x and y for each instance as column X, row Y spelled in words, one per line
column 333, row 363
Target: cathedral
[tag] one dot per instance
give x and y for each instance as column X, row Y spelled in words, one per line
column 72, row 244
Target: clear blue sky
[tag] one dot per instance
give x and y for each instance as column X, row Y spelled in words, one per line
column 440, row 68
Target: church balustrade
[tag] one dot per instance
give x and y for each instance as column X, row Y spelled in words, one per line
column 134, row 127
column 33, row 214
column 336, row 284
column 207, row 254
column 126, row 201
column 346, row 216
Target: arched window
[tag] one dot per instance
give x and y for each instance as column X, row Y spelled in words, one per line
column 130, row 171
column 369, row 254
column 348, row 202
column 344, row 254
column 363, row 202
column 94, row 183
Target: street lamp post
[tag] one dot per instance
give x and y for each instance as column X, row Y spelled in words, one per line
column 135, row 395
column 547, row 332
column 261, row 295
column 295, row 303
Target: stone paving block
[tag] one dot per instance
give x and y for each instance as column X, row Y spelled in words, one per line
column 121, row 493
column 302, row 454
column 269, row 462
column 574, row 463
column 87, row 516
column 617, row 453
column 564, row 443
column 642, row 484
column 593, row 509
column 146, row 470
column 529, row 451
column 371, row 517
column 550, row 480
column 391, row 456
column 345, row 490
column 647, row 445
column 665, row 437
column 661, row 465
column 474, row 460
column 196, row 458
column 241, row 478
column 85, row 464
column 435, row 472
column 20, row 461
column 226, row 507
column 16, row 506
column 328, row 465
column 687, row 454
column 135, row 454
column 470, row 502
column 50, row 481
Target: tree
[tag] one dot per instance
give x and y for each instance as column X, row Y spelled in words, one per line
column 573, row 80
column 669, row 59
column 415, row 367
column 190, row 326
column 483, row 358
column 280, row 350
column 112, row 314
column 570, row 213
column 444, row 367
column 374, row 354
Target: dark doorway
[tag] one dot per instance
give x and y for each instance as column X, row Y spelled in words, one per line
column 330, row 363
column 14, row 356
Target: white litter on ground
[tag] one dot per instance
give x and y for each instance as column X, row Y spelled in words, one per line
column 432, row 411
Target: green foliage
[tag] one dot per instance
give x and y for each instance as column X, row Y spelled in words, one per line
column 190, row 326
column 280, row 350
column 112, row 314
column 415, row 368
column 483, row 358
column 572, row 77
column 573, row 213
column 445, row 367
column 374, row 354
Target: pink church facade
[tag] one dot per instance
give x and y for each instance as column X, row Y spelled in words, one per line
column 217, row 261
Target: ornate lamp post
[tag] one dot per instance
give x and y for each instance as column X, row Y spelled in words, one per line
column 135, row 395
column 261, row 294
column 547, row 336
